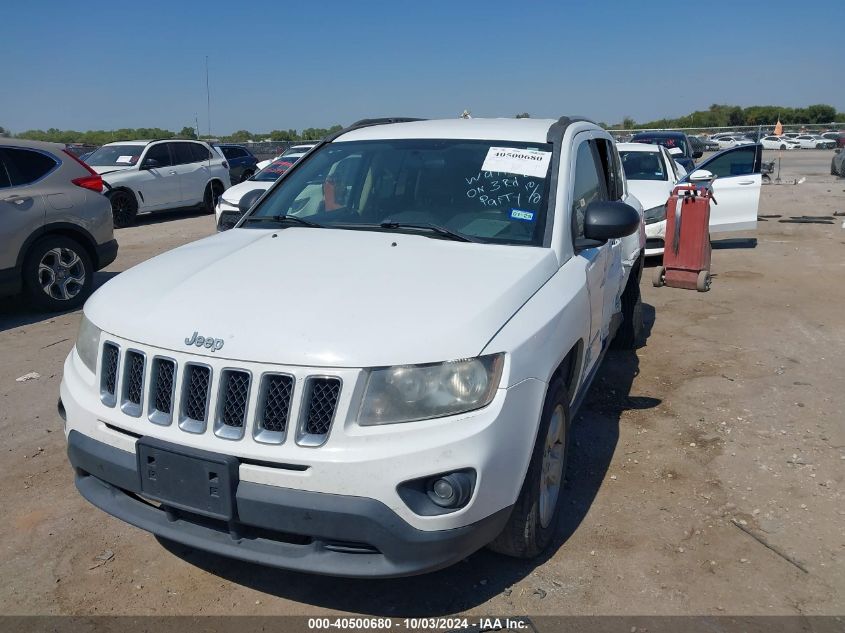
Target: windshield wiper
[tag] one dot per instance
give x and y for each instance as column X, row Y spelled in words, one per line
column 427, row 226
column 281, row 219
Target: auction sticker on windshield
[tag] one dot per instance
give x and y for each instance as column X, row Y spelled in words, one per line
column 526, row 162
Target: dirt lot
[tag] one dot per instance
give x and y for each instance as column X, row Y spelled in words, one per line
column 725, row 428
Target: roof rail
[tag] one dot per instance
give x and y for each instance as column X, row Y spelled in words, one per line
column 370, row 123
column 558, row 128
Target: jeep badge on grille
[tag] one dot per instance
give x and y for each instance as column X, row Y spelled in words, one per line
column 208, row 342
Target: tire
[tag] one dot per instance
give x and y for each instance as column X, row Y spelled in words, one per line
column 783, row 146
column 124, row 208
column 57, row 273
column 213, row 191
column 659, row 276
column 702, row 283
column 630, row 331
column 833, row 168
column 532, row 523
column 247, row 175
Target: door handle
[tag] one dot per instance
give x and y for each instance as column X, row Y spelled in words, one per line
column 172, row 172
column 746, row 182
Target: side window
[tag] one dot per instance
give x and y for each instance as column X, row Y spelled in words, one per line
column 199, row 153
column 159, row 153
column 23, row 166
column 671, row 164
column 609, row 160
column 5, row 179
column 586, row 187
column 229, row 152
column 182, row 154
column 738, row 162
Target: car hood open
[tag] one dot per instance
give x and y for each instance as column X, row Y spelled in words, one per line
column 324, row 297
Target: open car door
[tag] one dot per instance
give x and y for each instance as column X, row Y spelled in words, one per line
column 736, row 188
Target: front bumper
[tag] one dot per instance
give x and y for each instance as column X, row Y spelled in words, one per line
column 655, row 235
column 106, row 253
column 332, row 534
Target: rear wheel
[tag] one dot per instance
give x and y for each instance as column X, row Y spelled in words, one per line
column 58, row 273
column 702, row 284
column 124, row 208
column 213, row 191
column 659, row 277
column 630, row 331
column 532, row 523
column 783, row 146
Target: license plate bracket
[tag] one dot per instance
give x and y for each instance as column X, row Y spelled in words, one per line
column 188, row 479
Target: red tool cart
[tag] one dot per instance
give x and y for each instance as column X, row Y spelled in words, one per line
column 686, row 252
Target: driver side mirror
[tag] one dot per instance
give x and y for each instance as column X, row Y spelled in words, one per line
column 150, row 163
column 605, row 221
column 249, row 199
column 697, row 153
column 837, row 150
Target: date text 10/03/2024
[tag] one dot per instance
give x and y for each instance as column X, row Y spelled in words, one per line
column 419, row 624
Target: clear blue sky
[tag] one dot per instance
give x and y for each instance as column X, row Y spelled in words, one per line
column 279, row 65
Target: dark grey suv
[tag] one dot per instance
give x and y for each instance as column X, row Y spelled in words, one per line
column 55, row 225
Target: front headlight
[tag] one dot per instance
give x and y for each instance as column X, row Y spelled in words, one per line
column 87, row 343
column 655, row 214
column 418, row 392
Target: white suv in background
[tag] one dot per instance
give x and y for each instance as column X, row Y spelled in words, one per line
column 143, row 176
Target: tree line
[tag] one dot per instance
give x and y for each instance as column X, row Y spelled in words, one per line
column 101, row 137
column 718, row 115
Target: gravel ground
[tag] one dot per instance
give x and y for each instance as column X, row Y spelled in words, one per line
column 705, row 476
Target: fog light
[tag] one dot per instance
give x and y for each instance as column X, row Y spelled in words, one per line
column 450, row 491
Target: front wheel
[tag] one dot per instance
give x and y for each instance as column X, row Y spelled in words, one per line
column 532, row 523
column 783, row 146
column 58, row 273
column 630, row 331
column 702, row 283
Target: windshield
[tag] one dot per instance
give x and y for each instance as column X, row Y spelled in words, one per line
column 116, row 156
column 643, row 166
column 667, row 142
column 491, row 191
column 275, row 169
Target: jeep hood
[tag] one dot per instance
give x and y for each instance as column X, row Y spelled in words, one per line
column 324, row 297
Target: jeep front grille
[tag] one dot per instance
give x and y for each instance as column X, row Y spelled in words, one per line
column 233, row 400
column 275, row 395
column 195, row 392
column 163, row 381
column 228, row 400
column 133, row 383
column 319, row 406
column 108, row 374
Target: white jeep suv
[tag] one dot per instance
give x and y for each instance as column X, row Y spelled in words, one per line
column 374, row 372
column 144, row 176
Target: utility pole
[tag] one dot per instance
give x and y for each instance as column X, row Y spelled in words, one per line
column 207, row 97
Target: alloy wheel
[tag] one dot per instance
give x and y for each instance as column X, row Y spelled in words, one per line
column 61, row 273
